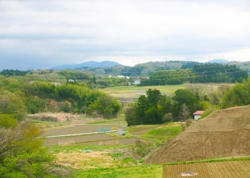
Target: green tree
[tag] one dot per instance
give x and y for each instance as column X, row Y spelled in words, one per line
column 184, row 97
column 149, row 109
column 106, row 106
column 131, row 116
column 237, row 96
column 12, row 103
column 21, row 152
column 7, row 121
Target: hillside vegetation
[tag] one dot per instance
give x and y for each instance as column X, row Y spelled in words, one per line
column 19, row 97
column 199, row 73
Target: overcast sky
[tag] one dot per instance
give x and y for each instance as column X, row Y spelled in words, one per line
column 42, row 34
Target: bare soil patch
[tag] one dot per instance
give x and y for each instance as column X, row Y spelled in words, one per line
column 224, row 133
column 56, row 117
column 82, row 160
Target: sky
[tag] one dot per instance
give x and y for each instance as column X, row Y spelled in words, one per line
column 43, row 34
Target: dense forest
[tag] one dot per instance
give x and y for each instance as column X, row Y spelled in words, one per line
column 19, row 96
column 200, row 73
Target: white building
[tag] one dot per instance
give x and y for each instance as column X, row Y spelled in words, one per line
column 197, row 115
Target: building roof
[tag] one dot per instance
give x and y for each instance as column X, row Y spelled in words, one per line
column 198, row 113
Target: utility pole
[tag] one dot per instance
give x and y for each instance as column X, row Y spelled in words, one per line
column 118, row 119
column 165, row 63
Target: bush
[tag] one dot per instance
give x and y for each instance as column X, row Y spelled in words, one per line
column 168, row 117
column 141, row 149
column 22, row 155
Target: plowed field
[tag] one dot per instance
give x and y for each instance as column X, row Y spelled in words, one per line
column 224, row 133
column 231, row 169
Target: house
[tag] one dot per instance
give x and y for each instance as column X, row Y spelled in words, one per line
column 137, row 82
column 198, row 114
column 71, row 81
column 120, row 76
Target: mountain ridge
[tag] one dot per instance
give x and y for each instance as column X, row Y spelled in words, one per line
column 90, row 64
column 219, row 61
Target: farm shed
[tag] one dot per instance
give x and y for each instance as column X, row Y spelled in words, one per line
column 198, row 114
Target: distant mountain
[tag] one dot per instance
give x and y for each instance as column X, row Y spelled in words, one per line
column 219, row 61
column 91, row 64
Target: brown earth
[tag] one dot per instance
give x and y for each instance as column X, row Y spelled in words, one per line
column 81, row 160
column 229, row 169
column 223, row 133
column 56, row 117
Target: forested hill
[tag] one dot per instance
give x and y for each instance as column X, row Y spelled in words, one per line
column 146, row 69
column 140, row 70
column 151, row 73
column 200, row 73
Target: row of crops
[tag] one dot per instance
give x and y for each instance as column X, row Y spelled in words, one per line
column 230, row 169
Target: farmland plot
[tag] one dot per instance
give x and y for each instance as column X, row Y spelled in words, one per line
column 77, row 129
column 230, row 169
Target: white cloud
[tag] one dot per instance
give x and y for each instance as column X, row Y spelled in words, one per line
column 237, row 55
column 73, row 31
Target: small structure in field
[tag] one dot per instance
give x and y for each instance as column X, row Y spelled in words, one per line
column 121, row 131
column 198, row 114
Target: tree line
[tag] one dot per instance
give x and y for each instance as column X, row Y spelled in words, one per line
column 157, row 108
column 200, row 73
column 11, row 72
column 18, row 97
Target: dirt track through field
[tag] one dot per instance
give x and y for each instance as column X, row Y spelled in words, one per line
column 223, row 133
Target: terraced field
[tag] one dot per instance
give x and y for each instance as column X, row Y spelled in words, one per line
column 230, row 169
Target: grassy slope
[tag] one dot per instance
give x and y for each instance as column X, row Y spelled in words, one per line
column 163, row 132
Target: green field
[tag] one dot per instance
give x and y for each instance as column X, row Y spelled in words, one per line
column 163, row 132
column 135, row 91
column 145, row 171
